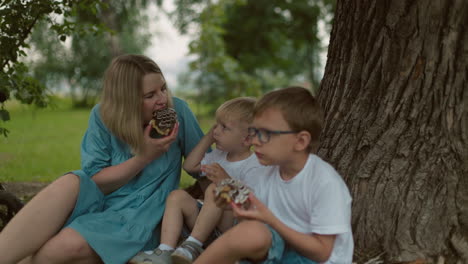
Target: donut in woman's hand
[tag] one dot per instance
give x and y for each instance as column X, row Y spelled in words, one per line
column 163, row 122
column 230, row 190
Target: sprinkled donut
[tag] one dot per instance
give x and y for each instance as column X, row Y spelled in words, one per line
column 163, row 122
column 231, row 190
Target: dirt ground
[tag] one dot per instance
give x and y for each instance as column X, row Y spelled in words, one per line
column 24, row 190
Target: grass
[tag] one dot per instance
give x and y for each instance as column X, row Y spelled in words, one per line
column 45, row 143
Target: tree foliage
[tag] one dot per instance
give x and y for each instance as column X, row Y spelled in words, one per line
column 17, row 20
column 80, row 64
column 246, row 47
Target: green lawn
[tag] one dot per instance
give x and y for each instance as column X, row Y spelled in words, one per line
column 45, row 143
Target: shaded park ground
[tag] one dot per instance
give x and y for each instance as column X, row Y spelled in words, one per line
column 24, row 190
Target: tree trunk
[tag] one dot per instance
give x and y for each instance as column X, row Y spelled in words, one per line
column 110, row 19
column 395, row 100
column 9, row 206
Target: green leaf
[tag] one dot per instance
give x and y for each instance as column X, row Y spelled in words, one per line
column 3, row 96
column 4, row 131
column 4, row 115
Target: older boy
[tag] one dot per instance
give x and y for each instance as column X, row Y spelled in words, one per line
column 306, row 214
column 231, row 158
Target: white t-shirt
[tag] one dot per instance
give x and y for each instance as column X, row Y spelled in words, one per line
column 243, row 170
column 316, row 200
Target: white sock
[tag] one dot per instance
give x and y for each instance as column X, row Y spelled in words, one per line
column 165, row 247
column 196, row 241
column 184, row 251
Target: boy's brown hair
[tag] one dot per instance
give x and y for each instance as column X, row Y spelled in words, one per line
column 299, row 108
column 237, row 109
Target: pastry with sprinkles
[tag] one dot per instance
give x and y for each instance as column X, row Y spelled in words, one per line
column 230, row 190
column 163, row 122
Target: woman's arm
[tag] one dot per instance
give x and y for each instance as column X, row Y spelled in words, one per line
column 192, row 163
column 111, row 178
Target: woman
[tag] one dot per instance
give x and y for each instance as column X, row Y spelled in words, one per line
column 108, row 210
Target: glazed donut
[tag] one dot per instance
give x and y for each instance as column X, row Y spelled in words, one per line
column 163, row 122
column 231, row 190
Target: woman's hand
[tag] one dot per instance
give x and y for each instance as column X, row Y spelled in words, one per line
column 256, row 210
column 155, row 147
column 215, row 172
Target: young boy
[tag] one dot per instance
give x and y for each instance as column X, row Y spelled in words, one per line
column 306, row 211
column 231, row 158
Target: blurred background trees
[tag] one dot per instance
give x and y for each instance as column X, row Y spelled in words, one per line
column 247, row 47
column 78, row 65
column 240, row 47
column 51, row 46
column 17, row 21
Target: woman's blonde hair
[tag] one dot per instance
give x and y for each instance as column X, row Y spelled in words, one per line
column 122, row 97
column 299, row 108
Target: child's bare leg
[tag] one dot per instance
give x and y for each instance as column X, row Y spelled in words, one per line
column 226, row 221
column 39, row 220
column 235, row 245
column 180, row 208
column 208, row 218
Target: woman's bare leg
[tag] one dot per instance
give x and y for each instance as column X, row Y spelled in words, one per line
column 180, row 208
column 39, row 220
column 235, row 245
column 68, row 246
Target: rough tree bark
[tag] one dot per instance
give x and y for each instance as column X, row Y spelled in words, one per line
column 9, row 206
column 396, row 101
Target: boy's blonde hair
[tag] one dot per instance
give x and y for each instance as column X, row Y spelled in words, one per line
column 122, row 97
column 238, row 109
column 299, row 108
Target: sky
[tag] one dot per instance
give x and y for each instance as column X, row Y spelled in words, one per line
column 168, row 48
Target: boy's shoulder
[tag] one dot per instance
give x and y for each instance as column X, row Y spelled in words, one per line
column 214, row 155
column 324, row 177
column 218, row 152
column 315, row 163
column 319, row 172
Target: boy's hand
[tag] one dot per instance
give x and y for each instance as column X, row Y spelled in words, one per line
column 215, row 172
column 155, row 147
column 210, row 132
column 256, row 210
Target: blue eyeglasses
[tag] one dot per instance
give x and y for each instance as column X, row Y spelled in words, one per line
column 264, row 135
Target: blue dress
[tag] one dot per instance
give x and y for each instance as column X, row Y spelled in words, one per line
column 120, row 224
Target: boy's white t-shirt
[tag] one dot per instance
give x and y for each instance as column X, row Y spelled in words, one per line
column 316, row 200
column 240, row 170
